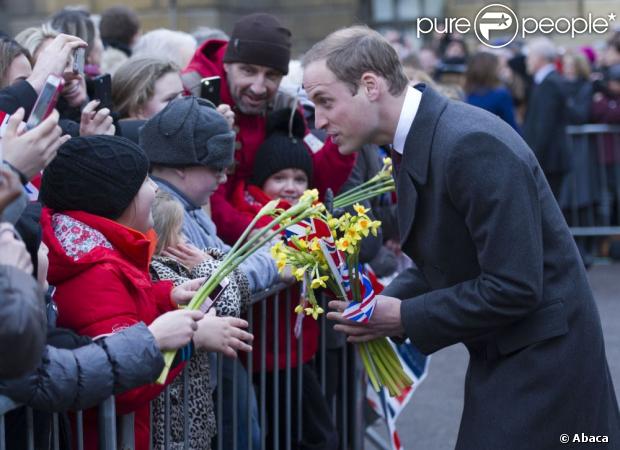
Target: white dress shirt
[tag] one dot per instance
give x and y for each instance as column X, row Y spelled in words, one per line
column 407, row 115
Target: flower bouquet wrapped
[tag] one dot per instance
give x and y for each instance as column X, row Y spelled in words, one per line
column 324, row 253
column 244, row 247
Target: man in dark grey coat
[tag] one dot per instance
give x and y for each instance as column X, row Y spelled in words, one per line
column 497, row 268
column 546, row 118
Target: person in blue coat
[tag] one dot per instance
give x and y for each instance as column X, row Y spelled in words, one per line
column 484, row 89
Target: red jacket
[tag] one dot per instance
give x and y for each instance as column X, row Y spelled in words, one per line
column 101, row 273
column 331, row 169
column 251, row 199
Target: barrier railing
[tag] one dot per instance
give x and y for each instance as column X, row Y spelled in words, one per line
column 590, row 196
column 346, row 379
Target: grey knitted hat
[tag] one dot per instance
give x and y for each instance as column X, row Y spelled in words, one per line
column 188, row 132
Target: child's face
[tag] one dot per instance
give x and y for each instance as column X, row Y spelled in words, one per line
column 287, row 184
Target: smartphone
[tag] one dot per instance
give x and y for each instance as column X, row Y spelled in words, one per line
column 210, row 89
column 46, row 102
column 102, row 90
column 79, row 59
column 215, row 295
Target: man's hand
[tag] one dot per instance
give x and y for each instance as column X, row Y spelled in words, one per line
column 95, row 122
column 223, row 335
column 31, row 151
column 13, row 251
column 53, row 59
column 10, row 187
column 228, row 114
column 385, row 321
column 187, row 254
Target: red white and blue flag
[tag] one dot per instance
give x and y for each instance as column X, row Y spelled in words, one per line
column 359, row 311
column 415, row 365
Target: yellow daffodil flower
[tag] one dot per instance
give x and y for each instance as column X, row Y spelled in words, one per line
column 319, row 282
column 360, row 208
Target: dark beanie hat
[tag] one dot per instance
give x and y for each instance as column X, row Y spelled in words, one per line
column 283, row 148
column 97, row 174
column 260, row 39
column 188, row 132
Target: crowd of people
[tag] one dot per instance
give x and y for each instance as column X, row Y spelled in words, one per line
column 117, row 207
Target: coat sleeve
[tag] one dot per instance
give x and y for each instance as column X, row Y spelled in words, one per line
column 83, row 377
column 504, row 221
column 23, row 322
column 231, row 221
column 18, row 95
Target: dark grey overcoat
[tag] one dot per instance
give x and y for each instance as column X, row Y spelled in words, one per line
column 499, row 271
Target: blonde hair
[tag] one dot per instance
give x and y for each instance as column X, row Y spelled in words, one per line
column 167, row 218
column 32, row 38
column 133, row 84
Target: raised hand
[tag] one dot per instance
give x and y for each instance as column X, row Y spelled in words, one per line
column 30, row 151
column 95, row 122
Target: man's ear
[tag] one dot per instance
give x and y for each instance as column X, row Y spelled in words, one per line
column 371, row 85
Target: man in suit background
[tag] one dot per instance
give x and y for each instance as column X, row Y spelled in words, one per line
column 497, row 268
column 544, row 128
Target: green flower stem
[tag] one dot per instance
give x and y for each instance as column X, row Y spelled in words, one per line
column 394, row 362
column 368, row 365
column 362, row 194
column 384, row 374
column 343, row 203
column 232, row 261
column 248, row 229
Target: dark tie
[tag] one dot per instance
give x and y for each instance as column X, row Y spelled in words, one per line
column 397, row 158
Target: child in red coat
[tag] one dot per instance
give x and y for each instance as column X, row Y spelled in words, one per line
column 282, row 170
column 97, row 223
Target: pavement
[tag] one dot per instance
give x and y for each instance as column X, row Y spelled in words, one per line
column 431, row 419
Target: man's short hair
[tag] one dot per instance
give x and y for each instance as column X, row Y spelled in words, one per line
column 350, row 52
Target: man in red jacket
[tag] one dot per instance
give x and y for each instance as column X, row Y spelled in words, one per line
column 251, row 66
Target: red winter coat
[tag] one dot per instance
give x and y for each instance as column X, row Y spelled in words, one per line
column 251, row 200
column 101, row 272
column 331, row 169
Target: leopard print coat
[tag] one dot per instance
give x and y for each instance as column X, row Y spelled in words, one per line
column 202, row 425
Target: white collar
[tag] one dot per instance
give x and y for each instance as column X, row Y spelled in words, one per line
column 542, row 73
column 407, row 115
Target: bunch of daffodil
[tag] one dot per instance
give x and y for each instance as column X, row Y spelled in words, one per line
column 244, row 247
column 381, row 183
column 311, row 264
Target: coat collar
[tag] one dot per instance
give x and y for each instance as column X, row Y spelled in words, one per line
column 419, row 141
column 416, row 158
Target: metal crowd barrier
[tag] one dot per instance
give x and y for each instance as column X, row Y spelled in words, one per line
column 117, row 433
column 590, row 196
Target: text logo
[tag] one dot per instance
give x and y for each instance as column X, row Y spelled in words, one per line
column 498, row 18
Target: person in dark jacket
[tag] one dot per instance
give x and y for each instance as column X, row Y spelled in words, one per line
column 496, row 266
column 544, row 128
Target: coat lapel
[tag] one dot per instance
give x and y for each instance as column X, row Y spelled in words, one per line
column 416, row 158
